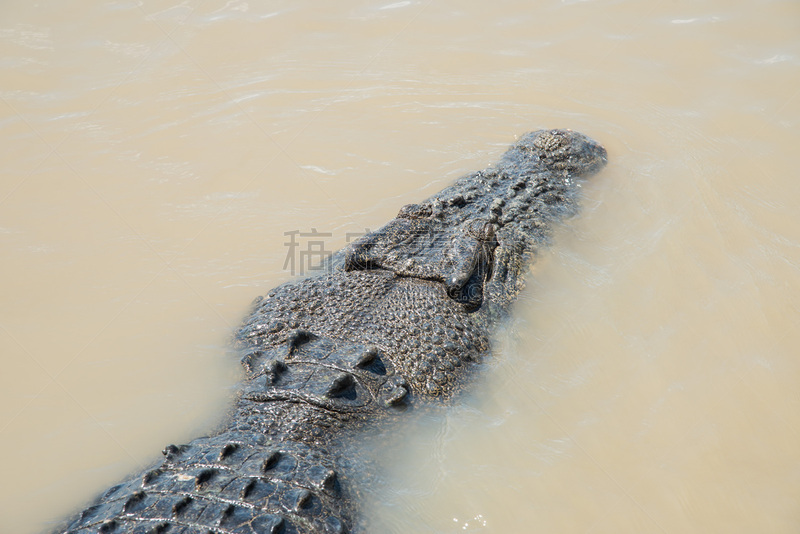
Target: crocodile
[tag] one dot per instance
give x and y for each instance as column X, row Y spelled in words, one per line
column 397, row 321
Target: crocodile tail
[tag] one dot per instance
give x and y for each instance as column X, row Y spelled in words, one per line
column 232, row 483
column 276, row 467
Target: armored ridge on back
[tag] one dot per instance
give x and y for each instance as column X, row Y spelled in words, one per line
column 399, row 319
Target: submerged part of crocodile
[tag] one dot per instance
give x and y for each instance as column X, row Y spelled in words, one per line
column 398, row 320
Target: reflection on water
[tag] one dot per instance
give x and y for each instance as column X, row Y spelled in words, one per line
column 156, row 154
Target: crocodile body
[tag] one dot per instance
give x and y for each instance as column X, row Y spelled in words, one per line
column 397, row 321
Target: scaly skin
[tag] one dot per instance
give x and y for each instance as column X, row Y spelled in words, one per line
column 399, row 320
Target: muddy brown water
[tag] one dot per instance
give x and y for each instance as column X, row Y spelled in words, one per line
column 157, row 157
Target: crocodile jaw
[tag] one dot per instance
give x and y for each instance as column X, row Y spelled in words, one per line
column 453, row 236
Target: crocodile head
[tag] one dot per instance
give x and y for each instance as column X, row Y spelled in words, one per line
column 476, row 236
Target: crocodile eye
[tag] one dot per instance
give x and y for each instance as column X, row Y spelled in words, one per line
column 414, row 211
column 487, row 232
column 481, row 229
